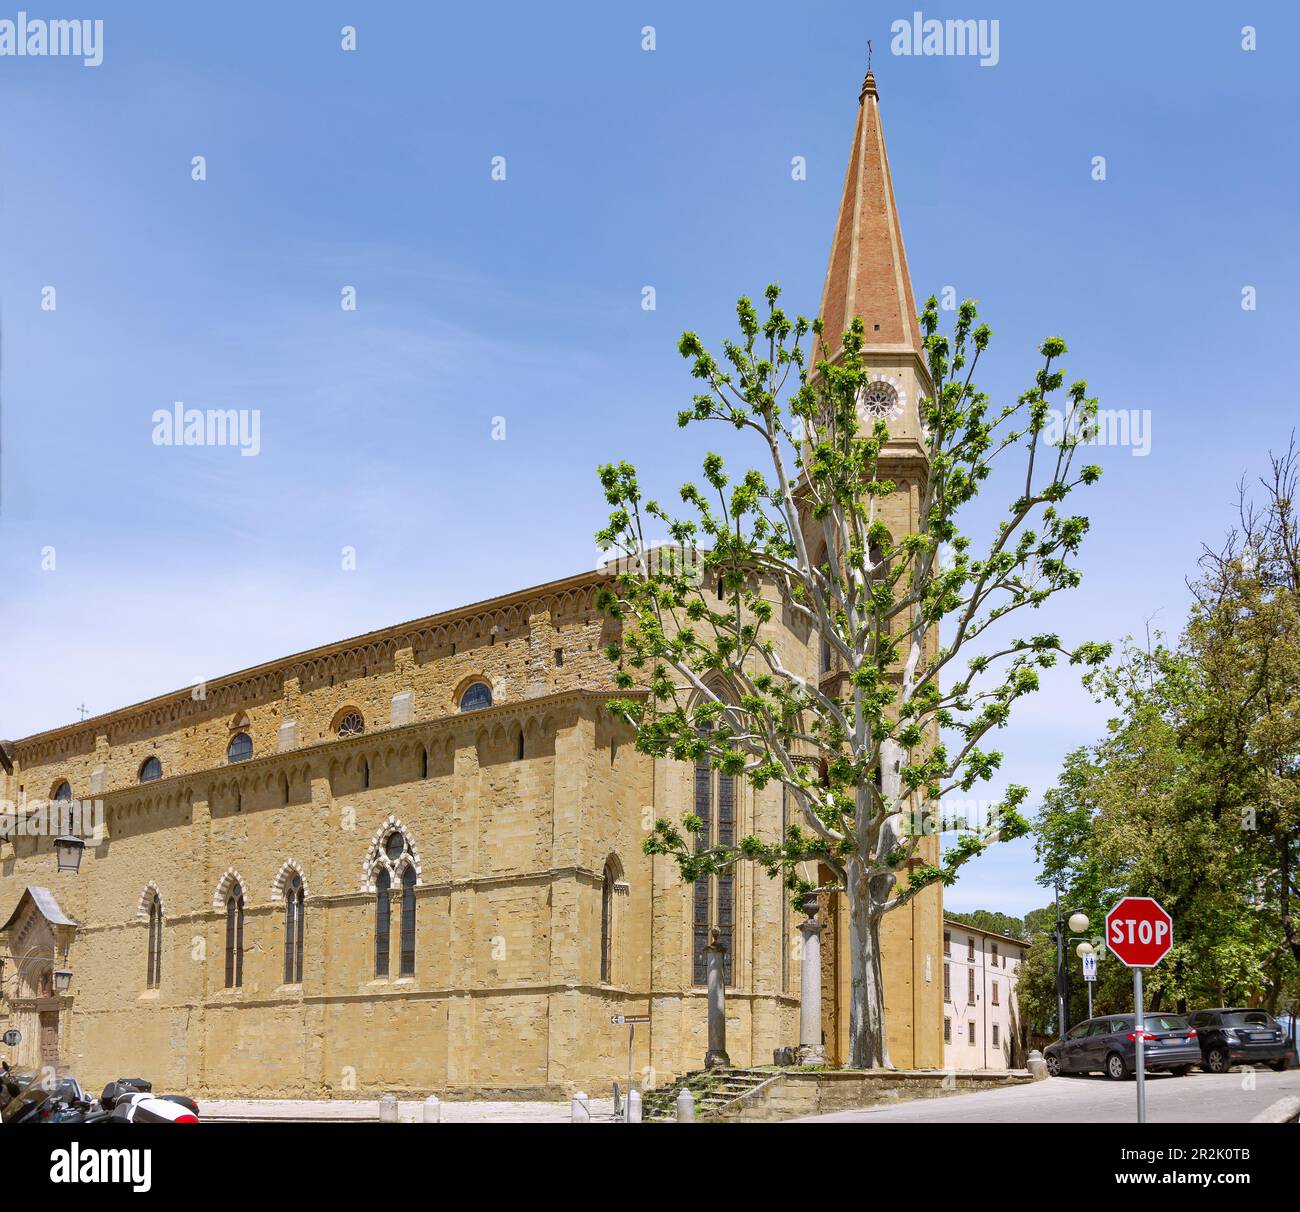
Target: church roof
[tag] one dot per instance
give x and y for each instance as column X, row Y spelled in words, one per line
column 867, row 274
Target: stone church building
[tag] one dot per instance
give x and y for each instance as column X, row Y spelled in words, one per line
column 411, row 861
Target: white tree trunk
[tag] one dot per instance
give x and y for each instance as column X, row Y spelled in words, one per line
column 868, row 1046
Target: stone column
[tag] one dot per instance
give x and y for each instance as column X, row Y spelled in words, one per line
column 716, row 953
column 811, row 1051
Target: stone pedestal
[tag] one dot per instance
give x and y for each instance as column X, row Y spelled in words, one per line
column 715, row 952
column 811, row 1051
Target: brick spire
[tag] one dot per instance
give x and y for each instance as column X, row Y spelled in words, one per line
column 867, row 275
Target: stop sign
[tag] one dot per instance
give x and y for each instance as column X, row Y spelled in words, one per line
column 1139, row 932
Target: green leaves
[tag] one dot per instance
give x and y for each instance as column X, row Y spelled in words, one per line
column 796, row 640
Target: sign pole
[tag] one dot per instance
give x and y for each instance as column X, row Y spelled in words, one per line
column 1089, row 983
column 1139, row 1030
column 631, row 1031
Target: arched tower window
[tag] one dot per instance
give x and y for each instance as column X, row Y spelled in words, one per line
column 407, row 963
column 153, row 976
column 383, row 918
column 235, row 937
column 150, row 770
column 294, row 921
column 240, row 748
column 476, row 697
column 612, row 888
column 713, row 896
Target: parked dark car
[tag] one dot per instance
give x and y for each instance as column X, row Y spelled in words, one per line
column 1239, row 1036
column 1108, row 1044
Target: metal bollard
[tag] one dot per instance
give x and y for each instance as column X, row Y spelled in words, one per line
column 685, row 1103
column 388, row 1109
column 633, row 1106
column 432, row 1110
column 580, row 1109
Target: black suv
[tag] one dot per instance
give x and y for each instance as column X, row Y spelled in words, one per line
column 1239, row 1036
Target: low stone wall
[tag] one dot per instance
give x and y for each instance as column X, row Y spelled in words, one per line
column 800, row 1092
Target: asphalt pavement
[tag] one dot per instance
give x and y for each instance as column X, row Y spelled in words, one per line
column 1210, row 1098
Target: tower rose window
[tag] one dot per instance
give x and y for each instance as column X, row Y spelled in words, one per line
column 879, row 401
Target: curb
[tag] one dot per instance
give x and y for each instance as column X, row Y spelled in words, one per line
column 1284, row 1111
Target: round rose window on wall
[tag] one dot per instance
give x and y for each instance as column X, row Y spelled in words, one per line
column 879, row 401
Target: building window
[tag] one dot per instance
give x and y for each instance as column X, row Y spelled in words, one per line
column 970, row 986
column 383, row 917
column 424, row 763
column 947, row 1031
column 713, row 896
column 947, row 942
column 235, row 937
column 240, row 748
column 154, row 975
column 970, row 1034
column 993, row 949
column 995, row 1035
column 406, row 964
column 293, row 931
column 970, row 949
column 63, row 816
column 607, row 924
column 519, row 746
column 994, row 994
column 947, row 983
column 476, row 697
column 351, row 724
column 150, row 770
column 365, row 774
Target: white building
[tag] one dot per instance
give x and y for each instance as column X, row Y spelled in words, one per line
column 981, row 1017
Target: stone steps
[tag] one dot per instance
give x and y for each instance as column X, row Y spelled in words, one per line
column 714, row 1090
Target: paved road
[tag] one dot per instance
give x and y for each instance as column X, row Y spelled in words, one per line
column 1197, row 1098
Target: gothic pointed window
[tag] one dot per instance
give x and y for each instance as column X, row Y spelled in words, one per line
column 383, row 918
column 407, row 963
column 294, row 921
column 476, row 697
column 713, row 896
column 611, row 887
column 153, row 976
column 235, row 937
column 240, row 748
column 150, row 770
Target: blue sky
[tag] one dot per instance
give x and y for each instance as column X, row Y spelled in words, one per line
column 522, row 298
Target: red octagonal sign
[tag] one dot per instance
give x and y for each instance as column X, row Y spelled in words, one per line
column 1139, row 932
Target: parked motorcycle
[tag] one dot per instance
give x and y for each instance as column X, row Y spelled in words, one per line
column 129, row 1100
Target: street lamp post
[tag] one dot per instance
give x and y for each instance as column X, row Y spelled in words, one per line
column 1077, row 924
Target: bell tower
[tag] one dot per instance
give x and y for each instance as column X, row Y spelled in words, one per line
column 867, row 277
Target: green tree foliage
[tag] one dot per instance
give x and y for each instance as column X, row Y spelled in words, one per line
column 1191, row 797
column 699, row 627
column 988, row 919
